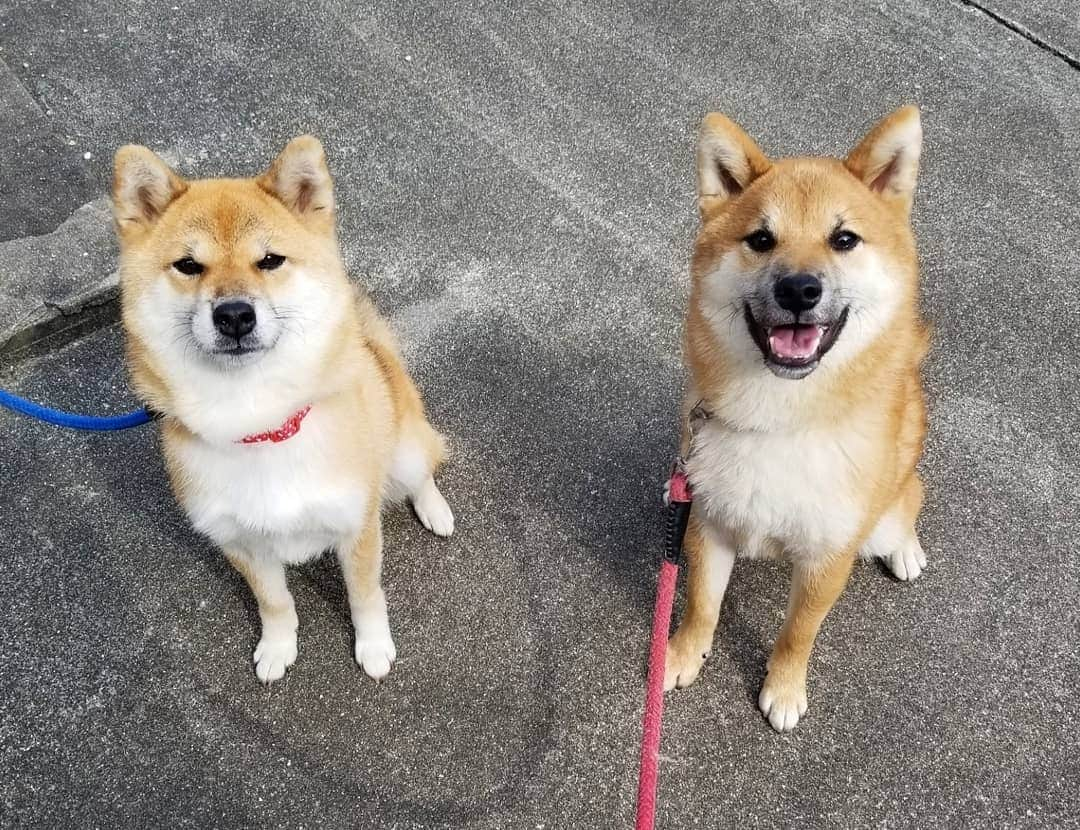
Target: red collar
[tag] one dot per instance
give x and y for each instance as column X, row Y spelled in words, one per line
column 283, row 433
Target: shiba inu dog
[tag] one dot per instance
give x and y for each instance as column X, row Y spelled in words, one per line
column 287, row 413
column 805, row 412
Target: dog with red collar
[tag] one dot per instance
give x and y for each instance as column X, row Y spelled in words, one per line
column 287, row 414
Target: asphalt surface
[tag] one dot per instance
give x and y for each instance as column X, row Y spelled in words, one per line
column 516, row 189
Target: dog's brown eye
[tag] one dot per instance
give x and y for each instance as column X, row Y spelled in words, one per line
column 270, row 262
column 760, row 241
column 843, row 240
column 188, row 267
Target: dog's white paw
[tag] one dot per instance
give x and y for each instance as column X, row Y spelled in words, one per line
column 683, row 662
column 375, row 654
column 433, row 511
column 783, row 702
column 908, row 563
column 273, row 655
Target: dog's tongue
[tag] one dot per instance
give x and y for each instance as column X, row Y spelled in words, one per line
column 794, row 342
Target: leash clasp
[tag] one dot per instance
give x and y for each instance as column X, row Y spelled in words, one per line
column 680, row 498
column 678, row 489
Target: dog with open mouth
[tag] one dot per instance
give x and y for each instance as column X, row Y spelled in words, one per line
column 288, row 416
column 804, row 415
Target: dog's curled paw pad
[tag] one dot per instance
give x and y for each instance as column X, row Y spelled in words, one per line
column 682, row 664
column 273, row 656
column 782, row 702
column 434, row 513
column 375, row 655
column 909, row 563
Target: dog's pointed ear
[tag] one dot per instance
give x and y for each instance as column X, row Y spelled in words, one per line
column 728, row 161
column 887, row 159
column 143, row 186
column 300, row 179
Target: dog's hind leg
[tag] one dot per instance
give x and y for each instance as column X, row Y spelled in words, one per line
column 894, row 538
column 420, row 449
column 419, row 453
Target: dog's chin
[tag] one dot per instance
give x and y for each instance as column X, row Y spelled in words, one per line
column 793, row 351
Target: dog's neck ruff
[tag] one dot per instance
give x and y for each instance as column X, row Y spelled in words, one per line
column 283, row 433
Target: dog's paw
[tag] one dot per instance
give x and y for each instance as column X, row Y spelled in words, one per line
column 433, row 511
column 782, row 701
column 909, row 562
column 684, row 662
column 273, row 655
column 375, row 654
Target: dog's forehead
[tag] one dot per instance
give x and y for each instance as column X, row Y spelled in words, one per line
column 227, row 213
column 807, row 193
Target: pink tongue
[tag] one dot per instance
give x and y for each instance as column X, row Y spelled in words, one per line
column 794, row 342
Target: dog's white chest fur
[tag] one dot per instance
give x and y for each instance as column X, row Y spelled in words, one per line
column 792, row 490
column 290, row 500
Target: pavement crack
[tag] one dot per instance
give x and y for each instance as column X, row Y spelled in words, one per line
column 1025, row 33
column 62, row 327
column 16, row 95
column 87, row 302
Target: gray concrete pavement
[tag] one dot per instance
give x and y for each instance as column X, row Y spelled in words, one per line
column 1056, row 24
column 44, row 176
column 516, row 190
column 57, row 285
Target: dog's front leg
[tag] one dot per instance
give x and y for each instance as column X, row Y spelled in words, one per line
column 276, row 650
column 710, row 555
column 362, row 566
column 815, row 588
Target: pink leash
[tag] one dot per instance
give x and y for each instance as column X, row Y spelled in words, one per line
column 678, row 516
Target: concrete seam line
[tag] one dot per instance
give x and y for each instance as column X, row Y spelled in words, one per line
column 1025, row 33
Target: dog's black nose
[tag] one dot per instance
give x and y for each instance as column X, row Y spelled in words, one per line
column 234, row 318
column 799, row 292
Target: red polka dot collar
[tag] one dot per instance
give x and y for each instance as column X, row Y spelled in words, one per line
column 283, row 433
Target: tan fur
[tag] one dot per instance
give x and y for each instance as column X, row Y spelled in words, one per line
column 865, row 398
column 331, row 352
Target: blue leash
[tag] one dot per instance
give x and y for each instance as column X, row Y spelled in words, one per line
column 71, row 420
